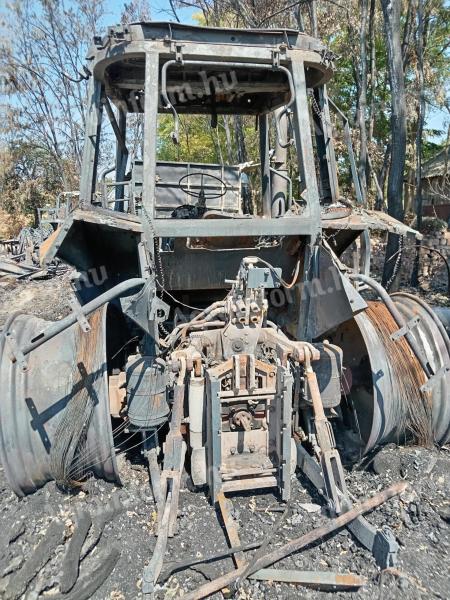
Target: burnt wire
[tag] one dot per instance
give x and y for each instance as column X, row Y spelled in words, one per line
column 397, row 264
column 164, row 291
column 133, row 339
column 412, row 406
column 89, row 454
column 71, row 433
column 280, row 279
column 154, row 432
column 70, row 455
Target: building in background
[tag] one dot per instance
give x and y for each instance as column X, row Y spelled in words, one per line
column 436, row 185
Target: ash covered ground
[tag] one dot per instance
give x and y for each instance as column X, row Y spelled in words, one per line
column 125, row 518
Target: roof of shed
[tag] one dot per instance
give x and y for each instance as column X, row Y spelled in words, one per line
column 438, row 165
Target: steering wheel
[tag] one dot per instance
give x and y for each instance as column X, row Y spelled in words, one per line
column 201, row 194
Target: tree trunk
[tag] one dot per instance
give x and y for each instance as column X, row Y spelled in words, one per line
column 229, row 145
column 391, row 14
column 362, row 100
column 373, row 70
column 420, row 123
column 421, row 109
column 371, row 107
column 240, row 139
column 408, row 32
column 385, row 167
column 313, row 18
column 299, row 18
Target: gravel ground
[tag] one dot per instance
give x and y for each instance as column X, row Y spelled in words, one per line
column 419, row 519
column 46, row 298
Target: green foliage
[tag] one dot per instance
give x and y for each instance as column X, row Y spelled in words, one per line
column 199, row 142
column 29, row 179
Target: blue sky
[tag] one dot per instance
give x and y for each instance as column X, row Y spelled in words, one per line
column 439, row 120
column 161, row 11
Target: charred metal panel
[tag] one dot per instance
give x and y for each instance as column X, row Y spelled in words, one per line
column 330, row 288
column 187, row 269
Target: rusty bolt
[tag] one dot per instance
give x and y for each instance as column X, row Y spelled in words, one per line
column 237, row 345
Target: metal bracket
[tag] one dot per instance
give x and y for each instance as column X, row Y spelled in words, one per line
column 263, row 277
column 275, row 59
column 225, row 506
column 409, row 326
column 381, row 542
column 177, row 48
column 78, row 312
column 158, row 310
column 16, row 353
column 434, row 379
column 145, row 307
column 170, row 489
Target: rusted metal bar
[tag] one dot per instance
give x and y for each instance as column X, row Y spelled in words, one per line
column 174, row 567
column 231, row 528
column 151, row 95
column 88, row 175
column 170, row 488
column 299, row 543
column 151, row 453
column 319, row 580
column 381, row 542
column 175, row 451
column 153, row 569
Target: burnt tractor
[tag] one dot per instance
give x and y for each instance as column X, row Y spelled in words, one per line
column 220, row 331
